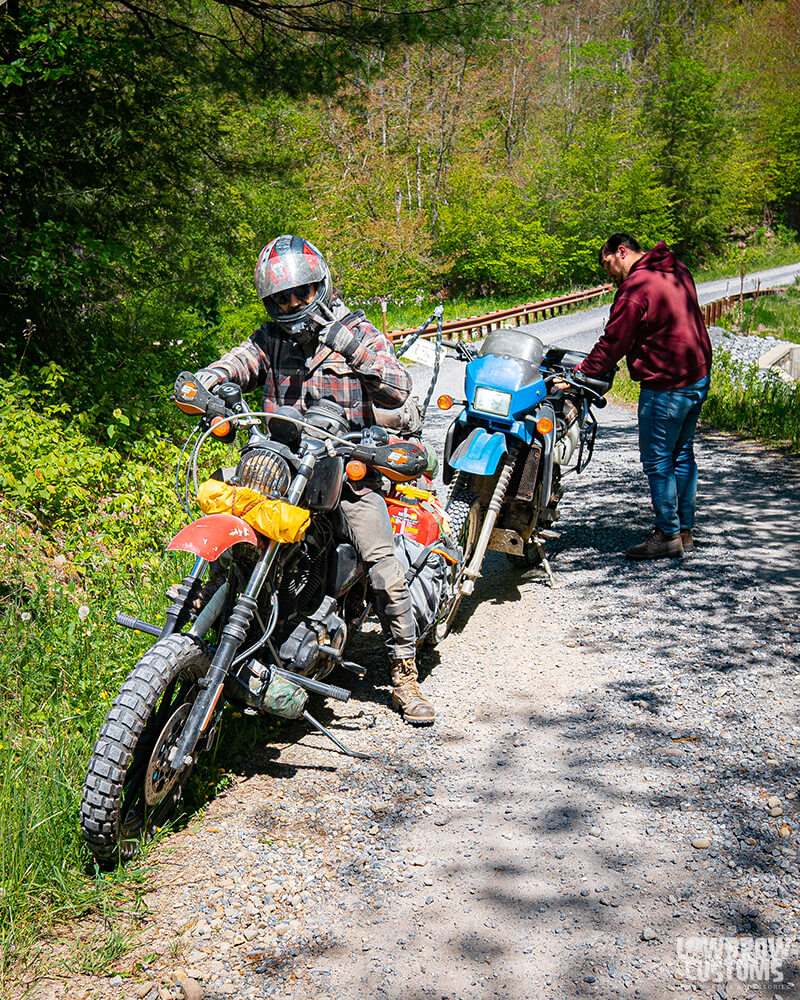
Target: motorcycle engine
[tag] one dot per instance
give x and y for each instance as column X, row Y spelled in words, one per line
column 315, row 644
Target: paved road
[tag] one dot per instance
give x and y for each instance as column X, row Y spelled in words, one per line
column 580, row 330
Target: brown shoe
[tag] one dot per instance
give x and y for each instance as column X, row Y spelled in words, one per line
column 657, row 545
column 407, row 696
column 687, row 541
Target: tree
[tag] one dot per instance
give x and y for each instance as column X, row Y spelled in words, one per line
column 116, row 144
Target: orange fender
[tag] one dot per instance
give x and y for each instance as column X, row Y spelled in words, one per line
column 208, row 537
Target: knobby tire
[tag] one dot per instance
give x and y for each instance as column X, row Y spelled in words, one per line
column 115, row 816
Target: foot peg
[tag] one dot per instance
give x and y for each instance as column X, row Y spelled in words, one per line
column 355, row 668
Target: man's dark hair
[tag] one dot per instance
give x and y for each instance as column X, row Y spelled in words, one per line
column 613, row 243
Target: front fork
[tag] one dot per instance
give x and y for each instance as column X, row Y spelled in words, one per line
column 472, row 571
column 233, row 635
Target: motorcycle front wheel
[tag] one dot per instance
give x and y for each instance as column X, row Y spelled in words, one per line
column 130, row 790
column 464, row 515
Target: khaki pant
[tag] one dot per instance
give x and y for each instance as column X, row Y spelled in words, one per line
column 370, row 529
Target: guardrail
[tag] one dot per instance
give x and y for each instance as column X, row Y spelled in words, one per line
column 476, row 327
column 713, row 310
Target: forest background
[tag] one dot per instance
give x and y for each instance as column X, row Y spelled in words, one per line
column 443, row 151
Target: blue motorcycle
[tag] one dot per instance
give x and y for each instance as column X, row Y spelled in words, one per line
column 526, row 421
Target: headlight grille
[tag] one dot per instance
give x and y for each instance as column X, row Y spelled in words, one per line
column 265, row 472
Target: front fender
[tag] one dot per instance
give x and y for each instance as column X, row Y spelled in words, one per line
column 208, row 537
column 480, row 453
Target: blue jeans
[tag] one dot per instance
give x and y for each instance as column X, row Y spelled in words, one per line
column 667, row 422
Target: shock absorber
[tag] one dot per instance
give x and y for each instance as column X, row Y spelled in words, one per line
column 472, row 571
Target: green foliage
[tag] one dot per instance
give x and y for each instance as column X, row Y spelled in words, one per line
column 747, row 401
column 495, row 244
column 774, row 315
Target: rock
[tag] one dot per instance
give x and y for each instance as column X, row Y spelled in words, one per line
column 776, row 811
column 192, row 990
column 701, row 843
column 648, row 934
column 785, row 831
column 773, row 801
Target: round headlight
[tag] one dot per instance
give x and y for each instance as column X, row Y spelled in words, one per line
column 265, row 472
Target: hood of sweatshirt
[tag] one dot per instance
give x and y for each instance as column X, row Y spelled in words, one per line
column 660, row 258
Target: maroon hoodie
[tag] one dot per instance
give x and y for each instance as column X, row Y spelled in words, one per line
column 656, row 322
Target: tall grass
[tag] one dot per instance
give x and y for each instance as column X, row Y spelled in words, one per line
column 758, row 404
column 775, row 315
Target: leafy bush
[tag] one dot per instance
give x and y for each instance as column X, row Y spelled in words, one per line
column 753, row 402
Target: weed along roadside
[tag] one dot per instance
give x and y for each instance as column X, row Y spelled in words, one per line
column 243, row 896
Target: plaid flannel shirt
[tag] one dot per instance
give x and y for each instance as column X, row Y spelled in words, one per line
column 272, row 359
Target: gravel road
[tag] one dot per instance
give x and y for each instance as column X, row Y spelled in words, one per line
column 614, row 770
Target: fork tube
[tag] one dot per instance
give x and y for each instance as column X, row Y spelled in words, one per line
column 233, row 635
column 472, row 571
column 187, row 591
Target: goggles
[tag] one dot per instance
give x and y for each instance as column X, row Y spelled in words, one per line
column 300, row 292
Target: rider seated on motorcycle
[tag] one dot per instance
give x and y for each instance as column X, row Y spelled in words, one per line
column 313, row 347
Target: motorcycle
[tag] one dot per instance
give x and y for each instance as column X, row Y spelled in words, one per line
column 526, row 422
column 262, row 617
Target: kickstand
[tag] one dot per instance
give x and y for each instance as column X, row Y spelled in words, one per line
column 545, row 562
column 318, row 726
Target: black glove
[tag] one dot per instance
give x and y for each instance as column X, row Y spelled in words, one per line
column 340, row 338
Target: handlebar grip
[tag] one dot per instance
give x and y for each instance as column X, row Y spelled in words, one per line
column 598, row 385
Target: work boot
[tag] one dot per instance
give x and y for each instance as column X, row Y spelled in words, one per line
column 406, row 695
column 657, row 545
column 687, row 541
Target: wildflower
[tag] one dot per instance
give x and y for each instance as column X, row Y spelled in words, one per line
column 25, row 616
column 83, row 612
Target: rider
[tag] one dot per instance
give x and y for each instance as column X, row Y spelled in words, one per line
column 313, row 347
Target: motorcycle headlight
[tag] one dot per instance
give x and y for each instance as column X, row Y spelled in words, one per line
column 265, row 472
column 492, row 401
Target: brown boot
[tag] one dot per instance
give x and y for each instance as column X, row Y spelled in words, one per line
column 407, row 696
column 657, row 545
column 687, row 541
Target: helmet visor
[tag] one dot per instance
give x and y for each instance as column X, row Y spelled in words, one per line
column 300, row 292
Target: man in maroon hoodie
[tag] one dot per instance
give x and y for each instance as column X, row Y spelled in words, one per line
column 656, row 324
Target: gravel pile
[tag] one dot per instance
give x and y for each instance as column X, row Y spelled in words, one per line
column 744, row 349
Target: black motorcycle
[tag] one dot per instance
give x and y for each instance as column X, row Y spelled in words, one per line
column 263, row 615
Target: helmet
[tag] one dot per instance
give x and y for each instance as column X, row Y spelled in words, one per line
column 284, row 263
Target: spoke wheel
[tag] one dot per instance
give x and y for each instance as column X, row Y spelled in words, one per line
column 130, row 788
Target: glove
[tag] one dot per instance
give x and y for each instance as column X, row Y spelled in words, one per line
column 209, row 378
column 340, row 338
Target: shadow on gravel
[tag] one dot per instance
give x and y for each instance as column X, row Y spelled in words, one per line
column 608, row 759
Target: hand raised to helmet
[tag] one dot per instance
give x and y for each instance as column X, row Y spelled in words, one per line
column 339, row 338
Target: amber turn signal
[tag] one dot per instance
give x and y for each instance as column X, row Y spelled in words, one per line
column 544, row 425
column 220, row 427
column 355, row 470
column 444, row 402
